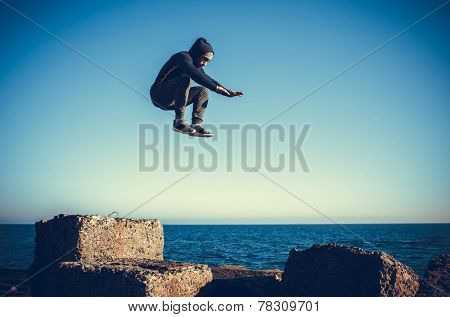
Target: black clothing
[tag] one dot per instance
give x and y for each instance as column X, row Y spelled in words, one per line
column 172, row 87
column 177, row 93
column 182, row 63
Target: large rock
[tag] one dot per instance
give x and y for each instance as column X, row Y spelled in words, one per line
column 237, row 281
column 95, row 238
column 124, row 277
column 89, row 241
column 435, row 281
column 14, row 282
column 335, row 270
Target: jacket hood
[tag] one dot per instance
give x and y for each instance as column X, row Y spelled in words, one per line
column 200, row 47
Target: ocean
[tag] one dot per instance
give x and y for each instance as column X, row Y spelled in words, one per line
column 263, row 246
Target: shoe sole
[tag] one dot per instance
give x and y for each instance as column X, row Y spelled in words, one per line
column 202, row 135
column 195, row 133
column 182, row 132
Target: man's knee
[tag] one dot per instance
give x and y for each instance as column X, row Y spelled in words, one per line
column 204, row 93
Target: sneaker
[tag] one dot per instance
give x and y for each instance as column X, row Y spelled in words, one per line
column 182, row 127
column 201, row 131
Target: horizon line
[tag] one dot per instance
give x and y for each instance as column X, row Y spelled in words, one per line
column 275, row 224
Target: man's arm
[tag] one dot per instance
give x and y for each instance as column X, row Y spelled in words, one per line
column 214, row 81
column 219, row 88
column 230, row 93
column 185, row 63
column 200, row 77
column 225, row 91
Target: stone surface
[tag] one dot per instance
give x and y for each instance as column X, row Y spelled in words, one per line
column 435, row 281
column 14, row 282
column 95, row 238
column 91, row 240
column 124, row 277
column 336, row 270
column 237, row 281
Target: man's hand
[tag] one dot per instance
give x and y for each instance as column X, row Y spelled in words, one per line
column 235, row 93
column 222, row 91
column 227, row 92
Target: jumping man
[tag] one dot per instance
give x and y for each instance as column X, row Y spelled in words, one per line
column 172, row 88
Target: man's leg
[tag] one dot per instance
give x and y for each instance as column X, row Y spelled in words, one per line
column 198, row 96
column 173, row 95
column 176, row 94
column 182, row 92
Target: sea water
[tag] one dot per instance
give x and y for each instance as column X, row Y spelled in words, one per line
column 263, row 246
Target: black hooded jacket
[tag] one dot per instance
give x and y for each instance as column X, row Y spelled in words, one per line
column 182, row 64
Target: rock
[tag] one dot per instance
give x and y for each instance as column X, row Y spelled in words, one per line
column 336, row 270
column 124, row 277
column 435, row 281
column 107, row 254
column 104, row 256
column 13, row 282
column 237, row 281
column 92, row 238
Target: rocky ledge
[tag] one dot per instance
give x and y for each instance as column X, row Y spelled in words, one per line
column 92, row 238
column 435, row 281
column 125, row 277
column 104, row 256
column 12, row 283
column 336, row 270
column 237, row 281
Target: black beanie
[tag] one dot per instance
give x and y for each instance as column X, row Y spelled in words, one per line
column 200, row 47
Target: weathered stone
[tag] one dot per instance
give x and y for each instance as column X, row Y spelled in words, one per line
column 124, row 277
column 335, row 270
column 237, row 281
column 95, row 238
column 435, row 281
column 14, row 282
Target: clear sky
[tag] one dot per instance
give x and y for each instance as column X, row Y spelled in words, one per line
column 378, row 148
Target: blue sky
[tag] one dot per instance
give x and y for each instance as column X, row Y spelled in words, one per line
column 378, row 147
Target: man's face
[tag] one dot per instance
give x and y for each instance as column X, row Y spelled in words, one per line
column 202, row 61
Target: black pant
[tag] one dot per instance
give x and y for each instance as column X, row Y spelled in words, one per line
column 177, row 93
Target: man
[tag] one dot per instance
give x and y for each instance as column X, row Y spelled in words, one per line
column 172, row 88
